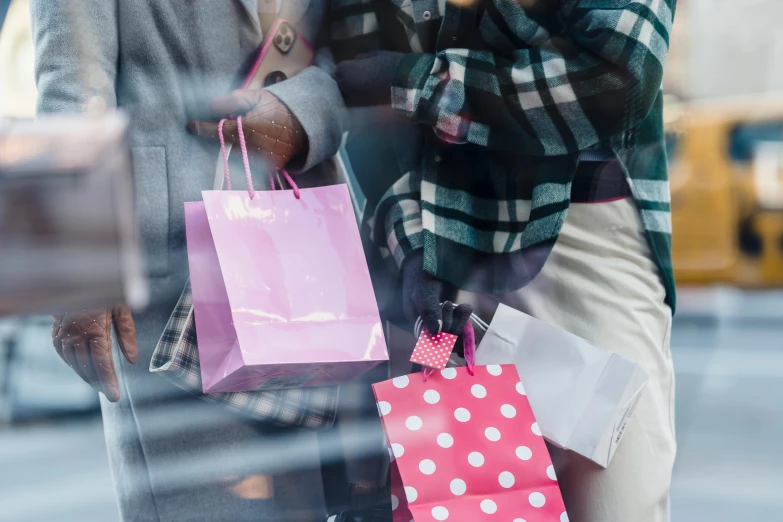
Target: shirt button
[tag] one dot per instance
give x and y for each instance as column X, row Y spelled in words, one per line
column 437, row 158
column 427, row 15
column 453, row 38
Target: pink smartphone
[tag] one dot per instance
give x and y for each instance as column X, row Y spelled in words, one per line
column 284, row 53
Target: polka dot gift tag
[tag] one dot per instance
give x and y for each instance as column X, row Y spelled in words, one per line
column 467, row 448
column 433, row 351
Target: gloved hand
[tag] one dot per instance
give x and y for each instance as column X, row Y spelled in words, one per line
column 421, row 298
column 271, row 131
column 367, row 80
column 83, row 340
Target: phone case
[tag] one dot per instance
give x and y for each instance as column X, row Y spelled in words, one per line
column 284, row 53
column 276, row 61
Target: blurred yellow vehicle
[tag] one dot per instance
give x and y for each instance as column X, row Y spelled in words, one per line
column 726, row 161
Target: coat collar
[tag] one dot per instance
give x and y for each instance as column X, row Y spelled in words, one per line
column 251, row 7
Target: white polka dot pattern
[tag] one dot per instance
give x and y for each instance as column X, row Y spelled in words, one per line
column 476, row 459
column 427, row 467
column 478, row 391
column 506, row 479
column 469, row 448
column 431, row 397
column 445, row 440
column 492, row 434
column 384, row 408
column 397, row 450
column 462, row 415
column 495, row 370
column 433, row 351
column 537, row 499
column 458, row 487
column 524, row 453
column 401, row 382
column 535, row 429
column 489, row 507
column 414, row 423
column 449, row 373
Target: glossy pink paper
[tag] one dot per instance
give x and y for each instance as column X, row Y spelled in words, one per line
column 281, row 290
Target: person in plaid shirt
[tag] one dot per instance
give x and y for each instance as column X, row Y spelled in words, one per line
column 534, row 174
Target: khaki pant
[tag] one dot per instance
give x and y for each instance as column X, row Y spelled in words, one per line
column 601, row 284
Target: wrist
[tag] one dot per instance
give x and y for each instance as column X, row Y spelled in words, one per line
column 413, row 265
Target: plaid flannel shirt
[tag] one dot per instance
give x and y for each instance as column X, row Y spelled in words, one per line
column 515, row 91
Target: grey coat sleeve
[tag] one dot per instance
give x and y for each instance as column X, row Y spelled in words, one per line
column 312, row 95
column 76, row 53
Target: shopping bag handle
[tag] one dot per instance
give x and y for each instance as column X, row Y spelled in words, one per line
column 476, row 319
column 243, row 146
column 469, row 344
column 479, row 322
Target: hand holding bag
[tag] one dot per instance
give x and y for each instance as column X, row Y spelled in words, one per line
column 176, row 357
column 281, row 288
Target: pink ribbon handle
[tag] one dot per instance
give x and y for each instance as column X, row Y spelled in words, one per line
column 290, row 181
column 469, row 345
column 224, row 153
column 243, row 146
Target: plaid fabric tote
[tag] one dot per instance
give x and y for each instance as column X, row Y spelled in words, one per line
column 176, row 357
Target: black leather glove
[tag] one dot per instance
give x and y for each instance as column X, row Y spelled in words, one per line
column 421, row 298
column 367, row 80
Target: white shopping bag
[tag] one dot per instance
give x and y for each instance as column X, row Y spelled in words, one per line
column 582, row 395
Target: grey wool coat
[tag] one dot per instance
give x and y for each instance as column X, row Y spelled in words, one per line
column 173, row 457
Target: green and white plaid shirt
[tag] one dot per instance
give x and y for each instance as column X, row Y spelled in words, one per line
column 515, row 91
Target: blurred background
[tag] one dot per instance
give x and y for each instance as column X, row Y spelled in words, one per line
column 724, row 118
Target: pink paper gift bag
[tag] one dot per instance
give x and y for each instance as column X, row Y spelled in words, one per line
column 466, row 448
column 281, row 289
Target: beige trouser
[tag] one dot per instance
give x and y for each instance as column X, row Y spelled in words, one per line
column 601, row 284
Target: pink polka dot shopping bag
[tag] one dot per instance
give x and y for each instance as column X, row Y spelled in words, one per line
column 467, row 448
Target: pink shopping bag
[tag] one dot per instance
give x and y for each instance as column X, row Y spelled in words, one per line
column 467, row 448
column 281, row 289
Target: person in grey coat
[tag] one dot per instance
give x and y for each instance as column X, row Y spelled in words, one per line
column 172, row 457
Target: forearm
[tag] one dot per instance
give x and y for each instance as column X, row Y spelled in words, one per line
column 314, row 98
column 312, row 95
